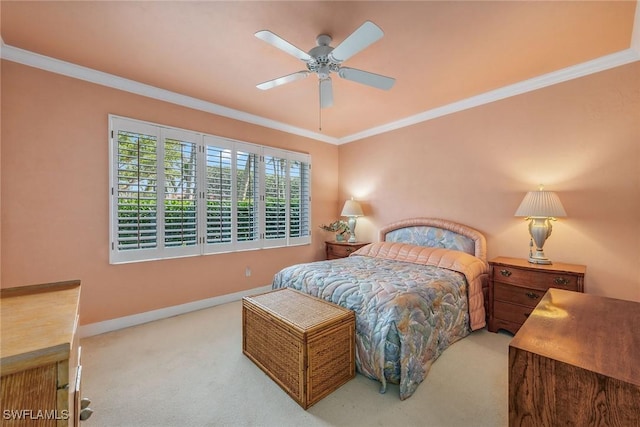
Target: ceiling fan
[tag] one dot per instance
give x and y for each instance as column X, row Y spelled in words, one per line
column 324, row 60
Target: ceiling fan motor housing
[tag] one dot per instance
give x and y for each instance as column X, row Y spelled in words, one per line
column 321, row 62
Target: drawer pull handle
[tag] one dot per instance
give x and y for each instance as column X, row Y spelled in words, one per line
column 349, row 250
column 85, row 402
column 561, row 281
column 85, row 414
column 532, row 295
column 505, row 273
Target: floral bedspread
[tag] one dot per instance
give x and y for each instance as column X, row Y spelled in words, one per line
column 407, row 314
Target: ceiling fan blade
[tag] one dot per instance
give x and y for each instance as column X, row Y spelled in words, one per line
column 365, row 35
column 277, row 41
column 366, row 78
column 326, row 93
column 282, row 80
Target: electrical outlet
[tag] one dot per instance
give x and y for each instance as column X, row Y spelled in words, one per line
column 247, row 271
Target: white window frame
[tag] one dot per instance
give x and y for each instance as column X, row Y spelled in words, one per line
column 201, row 141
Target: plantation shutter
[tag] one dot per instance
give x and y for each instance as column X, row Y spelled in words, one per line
column 299, row 200
column 180, row 193
column 219, row 194
column 248, row 218
column 135, row 208
column 275, row 199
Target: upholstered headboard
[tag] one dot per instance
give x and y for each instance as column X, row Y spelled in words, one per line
column 439, row 233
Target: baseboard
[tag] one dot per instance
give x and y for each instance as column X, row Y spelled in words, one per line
column 162, row 313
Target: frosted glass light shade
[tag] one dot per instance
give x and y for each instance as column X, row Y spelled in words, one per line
column 541, row 204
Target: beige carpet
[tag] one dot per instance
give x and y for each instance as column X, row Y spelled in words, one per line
column 189, row 370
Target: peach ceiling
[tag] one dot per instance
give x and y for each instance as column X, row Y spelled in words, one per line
column 438, row 52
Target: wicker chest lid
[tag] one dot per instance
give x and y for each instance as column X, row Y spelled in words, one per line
column 300, row 311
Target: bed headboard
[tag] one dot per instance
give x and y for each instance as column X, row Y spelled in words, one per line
column 434, row 232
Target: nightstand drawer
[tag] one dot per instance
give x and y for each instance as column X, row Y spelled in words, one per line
column 516, row 286
column 517, row 295
column 340, row 251
column 512, row 312
column 535, row 279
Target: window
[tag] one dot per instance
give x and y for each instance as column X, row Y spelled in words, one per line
column 179, row 193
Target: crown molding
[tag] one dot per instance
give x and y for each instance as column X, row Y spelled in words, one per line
column 68, row 69
column 594, row 66
column 98, row 77
column 635, row 33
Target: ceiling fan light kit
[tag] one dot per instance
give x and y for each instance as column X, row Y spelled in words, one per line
column 323, row 60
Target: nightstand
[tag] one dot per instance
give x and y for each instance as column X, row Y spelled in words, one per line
column 516, row 286
column 342, row 249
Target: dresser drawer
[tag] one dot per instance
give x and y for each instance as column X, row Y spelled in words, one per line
column 512, row 312
column 518, row 295
column 535, row 279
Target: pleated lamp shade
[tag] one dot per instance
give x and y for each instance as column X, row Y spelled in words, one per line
column 541, row 204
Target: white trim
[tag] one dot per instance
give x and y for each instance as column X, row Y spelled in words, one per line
column 163, row 313
column 71, row 70
column 635, row 34
column 68, row 69
column 590, row 67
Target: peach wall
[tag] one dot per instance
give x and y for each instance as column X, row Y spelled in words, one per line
column 580, row 138
column 55, row 203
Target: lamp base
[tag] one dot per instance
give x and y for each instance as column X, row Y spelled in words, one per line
column 538, row 257
column 352, row 229
column 545, row 261
column 539, row 229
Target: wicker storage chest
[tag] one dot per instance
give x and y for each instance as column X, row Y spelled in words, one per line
column 305, row 344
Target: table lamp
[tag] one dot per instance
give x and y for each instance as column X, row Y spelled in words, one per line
column 540, row 208
column 352, row 210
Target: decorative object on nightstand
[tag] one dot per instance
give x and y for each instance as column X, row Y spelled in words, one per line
column 516, row 287
column 338, row 227
column 352, row 210
column 342, row 249
column 540, row 208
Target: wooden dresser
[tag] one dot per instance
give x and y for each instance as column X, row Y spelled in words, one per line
column 342, row 249
column 576, row 362
column 40, row 356
column 516, row 286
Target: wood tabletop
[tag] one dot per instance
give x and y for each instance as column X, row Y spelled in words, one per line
column 595, row 333
column 556, row 267
column 38, row 324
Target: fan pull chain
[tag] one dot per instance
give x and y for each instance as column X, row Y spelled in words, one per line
column 320, row 106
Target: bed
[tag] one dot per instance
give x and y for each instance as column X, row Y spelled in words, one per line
column 418, row 290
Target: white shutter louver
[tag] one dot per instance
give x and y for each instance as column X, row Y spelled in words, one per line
column 136, row 191
column 247, row 197
column 180, row 194
column 275, row 195
column 299, row 200
column 219, row 195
